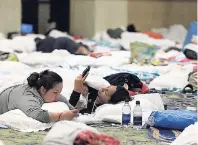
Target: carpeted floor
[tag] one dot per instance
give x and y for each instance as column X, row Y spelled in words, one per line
column 127, row 136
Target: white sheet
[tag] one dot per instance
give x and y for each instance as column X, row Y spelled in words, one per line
column 1, row 143
column 176, row 78
column 17, row 120
column 188, row 136
column 148, row 103
column 129, row 37
column 175, row 32
column 55, row 58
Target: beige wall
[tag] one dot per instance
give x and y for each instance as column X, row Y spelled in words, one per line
column 111, row 14
column 146, row 14
column 43, row 12
column 182, row 12
column 10, row 14
column 91, row 16
column 82, row 17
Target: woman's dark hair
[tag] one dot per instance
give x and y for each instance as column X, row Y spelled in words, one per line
column 121, row 94
column 47, row 79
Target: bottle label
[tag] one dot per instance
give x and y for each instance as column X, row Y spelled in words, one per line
column 137, row 121
column 126, row 119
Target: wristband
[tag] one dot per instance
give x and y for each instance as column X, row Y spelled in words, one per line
column 59, row 116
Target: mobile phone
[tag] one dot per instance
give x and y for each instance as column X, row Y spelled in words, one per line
column 86, row 71
column 79, row 105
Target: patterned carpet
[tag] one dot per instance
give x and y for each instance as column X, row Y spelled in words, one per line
column 127, row 136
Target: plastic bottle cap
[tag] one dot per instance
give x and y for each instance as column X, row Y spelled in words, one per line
column 138, row 102
column 127, row 100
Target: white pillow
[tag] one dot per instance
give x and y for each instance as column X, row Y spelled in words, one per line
column 173, row 79
column 17, row 120
column 115, row 111
column 96, row 82
column 55, row 107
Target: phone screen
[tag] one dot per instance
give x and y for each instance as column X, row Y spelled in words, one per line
column 79, row 105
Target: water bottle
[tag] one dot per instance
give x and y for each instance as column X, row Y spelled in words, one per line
column 126, row 114
column 137, row 116
column 164, row 99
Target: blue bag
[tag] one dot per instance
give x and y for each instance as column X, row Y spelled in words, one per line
column 173, row 119
column 191, row 31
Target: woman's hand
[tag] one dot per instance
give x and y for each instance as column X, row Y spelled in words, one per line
column 79, row 83
column 69, row 115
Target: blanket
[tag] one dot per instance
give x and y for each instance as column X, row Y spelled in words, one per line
column 17, row 120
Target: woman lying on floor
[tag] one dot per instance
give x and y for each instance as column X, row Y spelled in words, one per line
column 29, row 98
column 122, row 86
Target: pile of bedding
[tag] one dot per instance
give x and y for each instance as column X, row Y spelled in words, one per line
column 170, row 69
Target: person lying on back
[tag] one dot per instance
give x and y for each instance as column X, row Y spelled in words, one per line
column 122, row 87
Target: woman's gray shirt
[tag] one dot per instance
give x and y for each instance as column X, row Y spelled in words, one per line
column 28, row 100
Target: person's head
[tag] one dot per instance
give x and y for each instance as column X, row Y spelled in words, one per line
column 48, row 83
column 82, row 49
column 113, row 94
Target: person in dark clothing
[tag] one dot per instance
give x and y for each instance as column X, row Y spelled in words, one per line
column 121, row 84
column 96, row 98
column 49, row 44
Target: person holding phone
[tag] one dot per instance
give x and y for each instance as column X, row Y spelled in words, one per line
column 121, row 88
column 112, row 94
column 44, row 87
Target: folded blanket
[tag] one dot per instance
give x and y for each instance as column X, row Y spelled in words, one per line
column 73, row 133
column 65, row 132
column 88, row 137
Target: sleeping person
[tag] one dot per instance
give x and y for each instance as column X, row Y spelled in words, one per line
column 49, row 44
